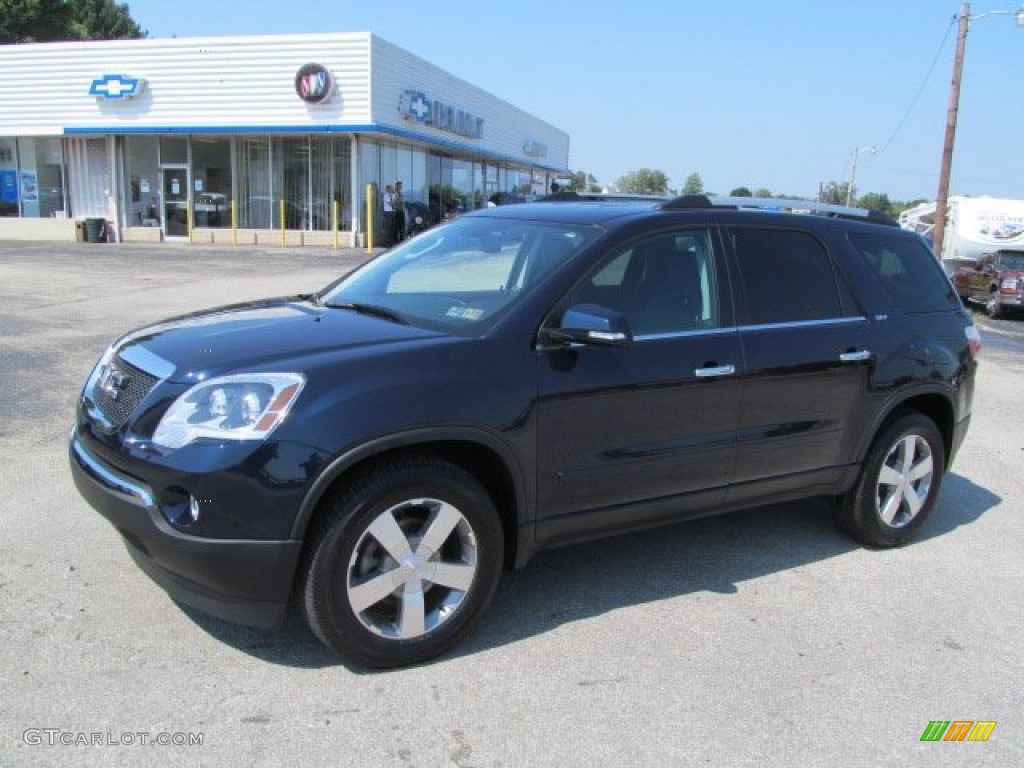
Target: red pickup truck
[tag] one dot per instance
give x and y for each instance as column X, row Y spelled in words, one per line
column 996, row 281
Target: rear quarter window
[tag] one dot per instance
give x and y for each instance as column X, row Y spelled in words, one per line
column 908, row 272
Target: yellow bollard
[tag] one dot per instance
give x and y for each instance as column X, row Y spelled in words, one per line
column 283, row 232
column 334, row 223
column 371, row 193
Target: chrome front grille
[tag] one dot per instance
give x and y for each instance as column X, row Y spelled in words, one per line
column 119, row 389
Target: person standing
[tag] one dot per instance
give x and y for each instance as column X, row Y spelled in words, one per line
column 389, row 213
column 398, row 206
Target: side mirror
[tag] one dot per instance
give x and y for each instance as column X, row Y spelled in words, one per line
column 593, row 324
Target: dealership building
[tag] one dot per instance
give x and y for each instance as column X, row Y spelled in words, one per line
column 284, row 138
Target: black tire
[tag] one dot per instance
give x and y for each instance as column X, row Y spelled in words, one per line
column 890, row 500
column 388, row 605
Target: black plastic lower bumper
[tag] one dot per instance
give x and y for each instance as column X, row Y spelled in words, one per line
column 240, row 580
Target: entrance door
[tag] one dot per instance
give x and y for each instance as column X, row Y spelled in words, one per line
column 174, row 184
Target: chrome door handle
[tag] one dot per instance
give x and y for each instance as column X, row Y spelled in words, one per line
column 717, row 370
column 855, row 356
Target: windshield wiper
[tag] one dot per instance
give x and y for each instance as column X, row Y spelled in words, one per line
column 370, row 309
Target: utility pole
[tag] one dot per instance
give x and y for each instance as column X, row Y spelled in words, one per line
column 939, row 232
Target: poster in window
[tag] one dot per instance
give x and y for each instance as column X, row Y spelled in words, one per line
column 8, row 186
column 29, row 186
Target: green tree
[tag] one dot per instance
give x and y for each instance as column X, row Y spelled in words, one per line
column 40, row 21
column 763, row 192
column 644, row 182
column 741, row 192
column 103, row 20
column 877, row 202
column 583, row 182
column 833, row 192
column 694, row 185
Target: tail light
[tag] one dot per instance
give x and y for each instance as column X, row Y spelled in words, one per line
column 973, row 341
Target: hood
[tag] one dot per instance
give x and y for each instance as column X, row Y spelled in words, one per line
column 255, row 335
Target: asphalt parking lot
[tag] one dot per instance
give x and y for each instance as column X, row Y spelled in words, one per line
column 764, row 638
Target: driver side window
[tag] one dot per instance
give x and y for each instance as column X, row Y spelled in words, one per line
column 663, row 283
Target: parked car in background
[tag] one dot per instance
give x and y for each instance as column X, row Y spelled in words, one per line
column 995, row 281
column 418, row 217
column 521, row 378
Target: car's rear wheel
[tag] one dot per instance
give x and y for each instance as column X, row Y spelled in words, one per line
column 898, row 483
column 403, row 564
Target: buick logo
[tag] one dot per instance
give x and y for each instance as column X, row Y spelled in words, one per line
column 113, row 382
column 313, row 83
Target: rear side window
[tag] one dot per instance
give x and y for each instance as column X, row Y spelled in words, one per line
column 908, row 272
column 786, row 277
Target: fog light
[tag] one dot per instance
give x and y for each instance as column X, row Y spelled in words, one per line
column 180, row 508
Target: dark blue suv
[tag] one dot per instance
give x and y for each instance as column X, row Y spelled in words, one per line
column 520, row 378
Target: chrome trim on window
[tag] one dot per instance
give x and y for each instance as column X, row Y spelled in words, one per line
column 804, row 324
column 111, row 481
column 681, row 334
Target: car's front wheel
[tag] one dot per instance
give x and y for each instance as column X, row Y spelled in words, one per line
column 897, row 485
column 403, row 563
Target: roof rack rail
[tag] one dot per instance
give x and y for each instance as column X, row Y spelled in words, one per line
column 784, row 205
column 600, row 197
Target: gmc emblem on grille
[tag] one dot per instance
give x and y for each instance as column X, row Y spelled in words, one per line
column 113, row 382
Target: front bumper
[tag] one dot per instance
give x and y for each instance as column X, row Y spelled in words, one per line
column 239, row 580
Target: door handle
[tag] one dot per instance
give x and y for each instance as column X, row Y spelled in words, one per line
column 715, row 370
column 855, row 356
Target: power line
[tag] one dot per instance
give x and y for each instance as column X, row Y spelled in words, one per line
column 920, row 90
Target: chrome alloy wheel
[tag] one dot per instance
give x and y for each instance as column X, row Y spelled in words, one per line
column 412, row 568
column 904, row 480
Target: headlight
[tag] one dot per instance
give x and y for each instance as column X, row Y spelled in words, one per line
column 246, row 406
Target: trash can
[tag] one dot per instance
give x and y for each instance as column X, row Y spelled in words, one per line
column 79, row 231
column 95, row 230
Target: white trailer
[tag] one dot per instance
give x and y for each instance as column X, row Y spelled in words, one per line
column 974, row 226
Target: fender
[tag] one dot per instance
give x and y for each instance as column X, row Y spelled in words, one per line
column 923, row 389
column 423, row 436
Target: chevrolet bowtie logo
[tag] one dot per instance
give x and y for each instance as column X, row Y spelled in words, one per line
column 117, row 87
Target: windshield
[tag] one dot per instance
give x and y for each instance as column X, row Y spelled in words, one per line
column 460, row 277
column 1012, row 260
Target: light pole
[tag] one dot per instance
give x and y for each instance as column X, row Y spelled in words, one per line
column 853, row 169
column 939, row 232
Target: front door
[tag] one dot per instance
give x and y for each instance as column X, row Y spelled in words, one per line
column 174, row 185
column 631, row 435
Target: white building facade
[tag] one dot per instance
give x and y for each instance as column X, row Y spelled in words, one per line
column 248, row 139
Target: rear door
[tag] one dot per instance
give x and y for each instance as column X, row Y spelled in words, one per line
column 807, row 354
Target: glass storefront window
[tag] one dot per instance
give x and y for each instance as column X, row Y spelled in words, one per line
column 462, row 183
column 31, row 178
column 173, row 150
column 211, row 181
column 252, row 171
column 291, row 169
column 9, row 178
column 142, row 172
column 369, row 161
column 342, row 180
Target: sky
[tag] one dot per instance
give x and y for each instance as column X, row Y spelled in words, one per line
column 776, row 94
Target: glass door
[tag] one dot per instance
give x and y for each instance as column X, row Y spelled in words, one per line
column 174, row 184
